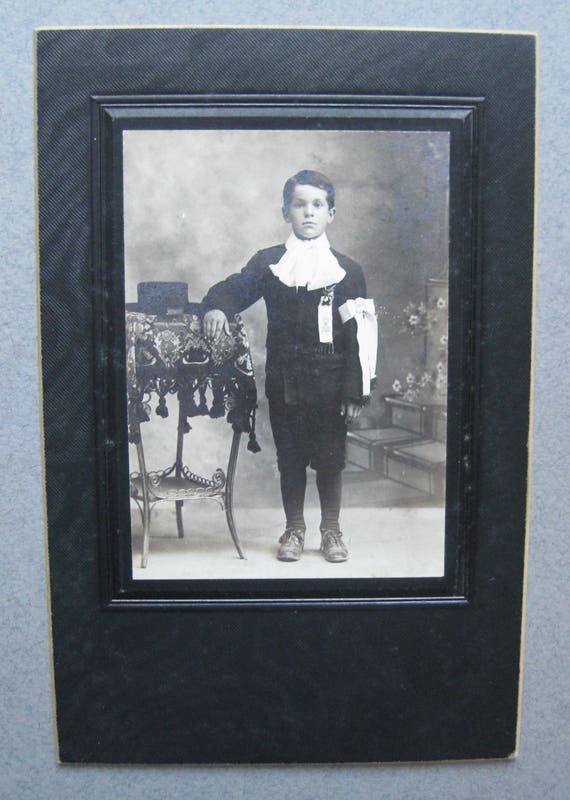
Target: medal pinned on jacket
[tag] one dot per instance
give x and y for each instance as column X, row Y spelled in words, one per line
column 325, row 311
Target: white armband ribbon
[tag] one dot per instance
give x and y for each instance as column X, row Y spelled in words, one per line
column 363, row 311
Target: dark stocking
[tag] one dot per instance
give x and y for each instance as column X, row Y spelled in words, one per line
column 293, row 483
column 330, row 491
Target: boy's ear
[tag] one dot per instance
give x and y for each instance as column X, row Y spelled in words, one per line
column 332, row 212
column 285, row 212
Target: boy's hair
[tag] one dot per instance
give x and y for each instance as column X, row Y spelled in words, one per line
column 308, row 177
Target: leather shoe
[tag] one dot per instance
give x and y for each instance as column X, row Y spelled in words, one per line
column 332, row 546
column 291, row 544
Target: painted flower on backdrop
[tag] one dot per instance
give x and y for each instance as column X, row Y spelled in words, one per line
column 421, row 318
column 430, row 384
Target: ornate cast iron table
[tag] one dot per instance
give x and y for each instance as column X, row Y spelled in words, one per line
column 168, row 355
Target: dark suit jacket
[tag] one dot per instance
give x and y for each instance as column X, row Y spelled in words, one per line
column 295, row 357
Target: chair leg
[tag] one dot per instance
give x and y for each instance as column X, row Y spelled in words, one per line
column 229, row 492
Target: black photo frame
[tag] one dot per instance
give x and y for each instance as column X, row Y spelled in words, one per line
column 439, row 657
column 111, row 117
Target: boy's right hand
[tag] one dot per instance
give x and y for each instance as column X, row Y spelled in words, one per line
column 215, row 321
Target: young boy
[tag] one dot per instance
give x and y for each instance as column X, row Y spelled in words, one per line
column 321, row 353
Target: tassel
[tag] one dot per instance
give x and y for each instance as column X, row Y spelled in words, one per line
column 238, row 418
column 203, row 407
column 187, row 404
column 253, row 444
column 161, row 409
column 218, row 406
column 143, row 412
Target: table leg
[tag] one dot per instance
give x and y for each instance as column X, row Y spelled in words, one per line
column 179, row 520
column 179, row 466
column 229, row 492
column 145, row 504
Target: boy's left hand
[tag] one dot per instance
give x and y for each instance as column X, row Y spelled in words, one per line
column 350, row 411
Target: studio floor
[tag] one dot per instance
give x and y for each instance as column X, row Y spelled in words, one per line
column 384, row 542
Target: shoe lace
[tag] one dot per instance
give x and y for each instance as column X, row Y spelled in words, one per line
column 293, row 536
column 331, row 538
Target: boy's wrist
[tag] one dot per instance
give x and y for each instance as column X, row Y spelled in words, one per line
column 358, row 401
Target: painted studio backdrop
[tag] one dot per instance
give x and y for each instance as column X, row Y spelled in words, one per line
column 197, row 205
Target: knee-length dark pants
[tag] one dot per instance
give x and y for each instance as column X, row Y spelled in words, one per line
column 308, row 435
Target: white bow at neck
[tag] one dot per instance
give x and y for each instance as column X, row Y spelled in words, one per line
column 308, row 262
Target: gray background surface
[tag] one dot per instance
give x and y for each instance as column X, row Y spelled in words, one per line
column 27, row 758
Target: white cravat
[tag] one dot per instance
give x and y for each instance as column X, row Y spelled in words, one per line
column 308, row 262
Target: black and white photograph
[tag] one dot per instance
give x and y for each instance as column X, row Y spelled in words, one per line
column 287, row 351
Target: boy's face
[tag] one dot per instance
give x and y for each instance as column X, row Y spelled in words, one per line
column 309, row 213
